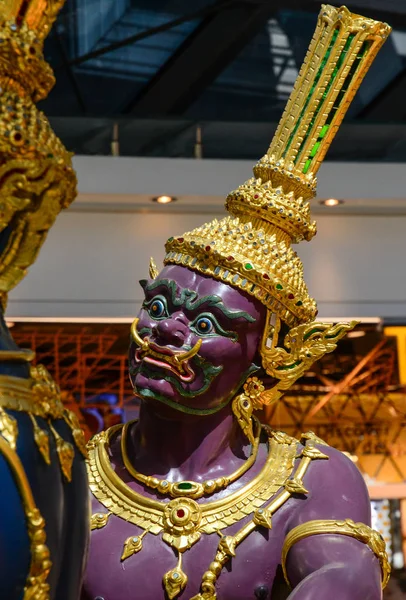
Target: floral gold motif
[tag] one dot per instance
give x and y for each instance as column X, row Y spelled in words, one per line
column 182, row 517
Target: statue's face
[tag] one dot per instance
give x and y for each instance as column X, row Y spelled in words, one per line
column 180, row 308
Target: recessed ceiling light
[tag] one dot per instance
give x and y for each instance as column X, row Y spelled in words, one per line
column 164, row 199
column 356, row 334
column 10, row 324
column 331, row 202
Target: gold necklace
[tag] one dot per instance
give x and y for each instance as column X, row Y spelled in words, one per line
column 189, row 489
column 182, row 520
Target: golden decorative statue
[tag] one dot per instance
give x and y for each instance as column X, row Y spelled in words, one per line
column 43, row 521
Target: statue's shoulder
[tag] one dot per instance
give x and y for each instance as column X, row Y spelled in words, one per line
column 336, row 486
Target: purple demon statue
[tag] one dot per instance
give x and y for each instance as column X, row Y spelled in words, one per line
column 196, row 500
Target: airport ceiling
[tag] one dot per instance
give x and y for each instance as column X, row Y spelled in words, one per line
column 150, row 74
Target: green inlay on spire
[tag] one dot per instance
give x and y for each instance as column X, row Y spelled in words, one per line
column 314, row 86
column 334, row 74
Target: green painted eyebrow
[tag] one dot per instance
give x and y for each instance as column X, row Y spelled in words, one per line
column 191, row 301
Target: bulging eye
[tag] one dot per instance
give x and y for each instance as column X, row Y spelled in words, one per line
column 204, row 325
column 157, row 309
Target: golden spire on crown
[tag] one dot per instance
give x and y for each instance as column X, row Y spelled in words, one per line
column 251, row 248
column 36, row 175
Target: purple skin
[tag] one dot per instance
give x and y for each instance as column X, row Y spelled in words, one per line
column 175, row 445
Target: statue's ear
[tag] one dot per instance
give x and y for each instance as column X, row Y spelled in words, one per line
column 143, row 283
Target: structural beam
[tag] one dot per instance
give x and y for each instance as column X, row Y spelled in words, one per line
column 201, row 58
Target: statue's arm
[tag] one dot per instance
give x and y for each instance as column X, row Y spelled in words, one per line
column 327, row 551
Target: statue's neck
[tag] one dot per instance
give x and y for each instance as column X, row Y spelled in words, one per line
column 179, row 447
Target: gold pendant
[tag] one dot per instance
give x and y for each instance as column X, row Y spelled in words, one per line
column 77, row 432
column 175, row 580
column 66, row 454
column 41, row 439
column 99, row 520
column 132, row 545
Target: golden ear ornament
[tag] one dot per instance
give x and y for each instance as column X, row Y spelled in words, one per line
column 245, row 403
column 302, row 347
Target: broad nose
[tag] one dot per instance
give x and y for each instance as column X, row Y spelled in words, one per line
column 171, row 331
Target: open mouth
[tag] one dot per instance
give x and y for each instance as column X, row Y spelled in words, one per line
column 164, row 358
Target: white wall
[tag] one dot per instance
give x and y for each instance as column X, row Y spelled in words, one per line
column 93, row 258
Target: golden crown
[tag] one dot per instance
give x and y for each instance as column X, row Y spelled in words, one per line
column 36, row 175
column 251, row 249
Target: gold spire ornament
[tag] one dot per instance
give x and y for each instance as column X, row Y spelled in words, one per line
column 251, row 248
column 36, row 175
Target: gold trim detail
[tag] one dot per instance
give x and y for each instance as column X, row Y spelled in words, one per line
column 23, row 354
column 359, row 531
column 36, row 587
column 36, row 176
column 66, row 453
column 190, row 489
column 77, row 432
column 39, row 397
column 41, row 438
column 8, row 428
column 302, row 346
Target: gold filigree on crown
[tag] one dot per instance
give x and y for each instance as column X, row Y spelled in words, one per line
column 251, row 249
column 36, row 175
column 258, row 260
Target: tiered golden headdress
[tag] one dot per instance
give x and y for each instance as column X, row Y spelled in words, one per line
column 251, row 248
column 36, row 176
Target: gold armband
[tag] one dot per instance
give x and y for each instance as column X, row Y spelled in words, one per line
column 359, row 531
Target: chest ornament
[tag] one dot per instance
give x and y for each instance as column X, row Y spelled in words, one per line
column 182, row 521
